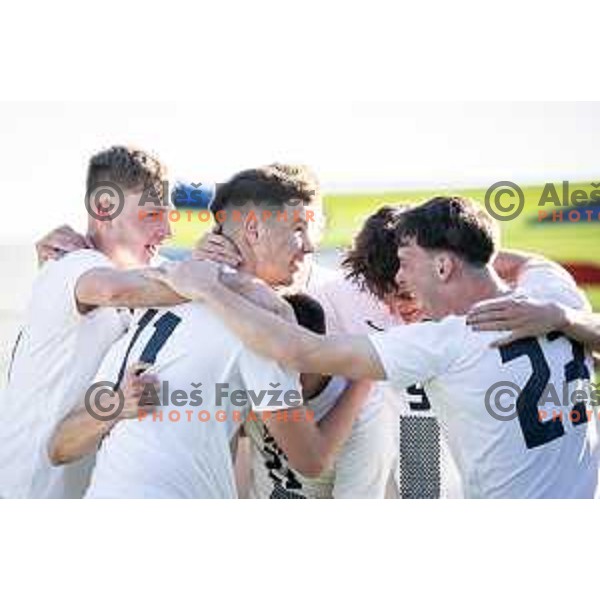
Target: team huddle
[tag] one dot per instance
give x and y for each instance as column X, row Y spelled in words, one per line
column 138, row 377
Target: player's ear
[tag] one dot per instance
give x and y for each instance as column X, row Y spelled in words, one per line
column 250, row 228
column 444, row 266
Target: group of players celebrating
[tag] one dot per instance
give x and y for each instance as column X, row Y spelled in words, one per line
column 385, row 365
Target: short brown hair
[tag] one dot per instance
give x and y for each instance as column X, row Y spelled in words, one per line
column 372, row 262
column 450, row 223
column 273, row 185
column 127, row 167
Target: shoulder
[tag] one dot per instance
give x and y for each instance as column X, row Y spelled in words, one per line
column 441, row 342
column 74, row 264
column 451, row 327
column 56, row 282
column 83, row 257
column 353, row 307
column 549, row 281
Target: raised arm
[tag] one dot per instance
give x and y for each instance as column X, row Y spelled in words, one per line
column 128, row 289
column 269, row 334
column 583, row 327
column 310, row 447
column 510, row 264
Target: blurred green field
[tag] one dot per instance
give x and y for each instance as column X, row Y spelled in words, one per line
column 346, row 213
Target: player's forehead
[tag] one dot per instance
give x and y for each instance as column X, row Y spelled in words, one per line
column 146, row 198
column 145, row 207
column 297, row 214
column 408, row 249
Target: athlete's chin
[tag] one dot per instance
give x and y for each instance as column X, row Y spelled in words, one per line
column 286, row 280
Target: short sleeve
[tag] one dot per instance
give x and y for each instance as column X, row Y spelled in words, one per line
column 56, row 287
column 281, row 386
column 550, row 282
column 419, row 352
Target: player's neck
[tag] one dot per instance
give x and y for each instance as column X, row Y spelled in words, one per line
column 248, row 261
column 247, row 266
column 474, row 287
column 95, row 241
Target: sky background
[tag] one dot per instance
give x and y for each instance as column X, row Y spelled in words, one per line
column 44, row 147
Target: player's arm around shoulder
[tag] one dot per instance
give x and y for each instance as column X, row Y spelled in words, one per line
column 528, row 317
column 271, row 335
column 352, row 356
column 549, row 301
column 311, row 447
column 106, row 286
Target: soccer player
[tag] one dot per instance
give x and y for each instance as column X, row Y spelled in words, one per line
column 423, row 466
column 445, row 247
column 74, row 315
column 172, row 453
column 364, row 464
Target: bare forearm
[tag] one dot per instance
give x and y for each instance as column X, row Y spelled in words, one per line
column 291, row 345
column 311, row 448
column 263, row 331
column 511, row 264
column 269, row 334
column 127, row 289
column 583, row 327
column 259, row 294
column 78, row 435
column 335, row 428
column 137, row 290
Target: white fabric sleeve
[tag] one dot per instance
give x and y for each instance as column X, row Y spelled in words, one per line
column 281, row 386
column 550, row 282
column 419, row 352
column 57, row 286
column 327, row 399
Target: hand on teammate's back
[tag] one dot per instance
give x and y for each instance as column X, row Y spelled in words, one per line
column 58, row 242
column 214, row 246
column 522, row 316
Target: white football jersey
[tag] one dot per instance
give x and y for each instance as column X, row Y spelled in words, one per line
column 364, row 462
column 423, row 466
column 360, row 469
column 348, row 309
column 182, row 450
column 272, row 476
column 56, row 358
column 499, row 451
column 399, row 424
